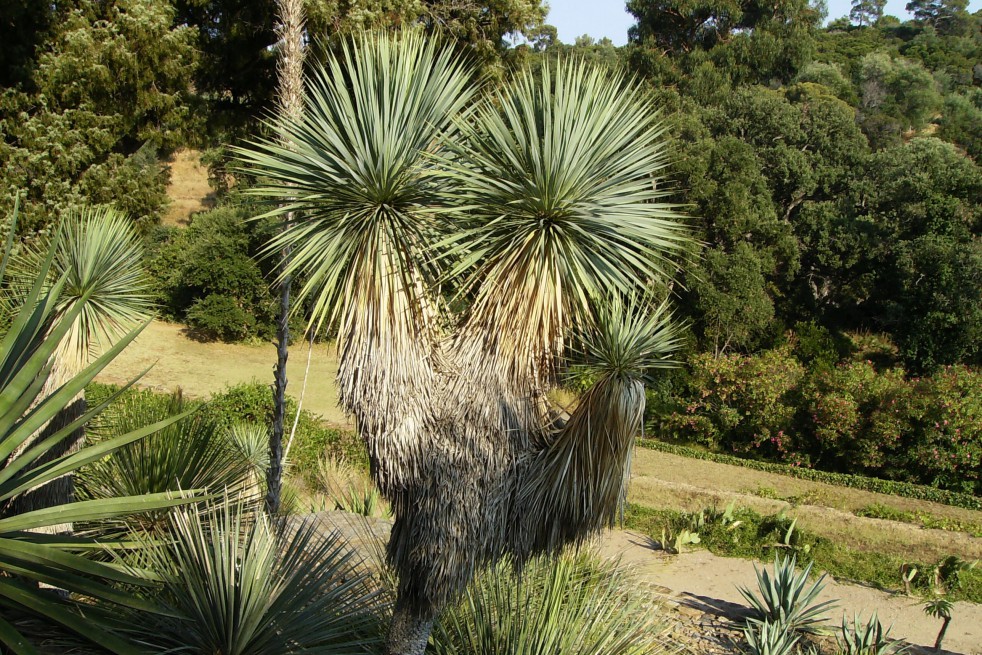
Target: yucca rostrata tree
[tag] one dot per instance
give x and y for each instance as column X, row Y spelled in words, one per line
column 98, row 257
column 537, row 206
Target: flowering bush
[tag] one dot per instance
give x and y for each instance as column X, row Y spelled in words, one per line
column 947, row 447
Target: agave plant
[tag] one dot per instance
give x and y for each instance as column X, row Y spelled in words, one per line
column 534, row 207
column 786, row 599
column 767, row 638
column 556, row 605
column 869, row 638
column 236, row 586
column 28, row 401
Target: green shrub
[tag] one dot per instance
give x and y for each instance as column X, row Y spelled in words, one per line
column 947, row 447
column 742, row 403
column 192, row 453
column 859, row 418
column 564, row 605
column 220, row 317
column 208, row 275
column 253, row 402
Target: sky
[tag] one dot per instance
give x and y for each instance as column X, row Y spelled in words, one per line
column 600, row 18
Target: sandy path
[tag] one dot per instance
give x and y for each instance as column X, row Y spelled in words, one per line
column 706, row 579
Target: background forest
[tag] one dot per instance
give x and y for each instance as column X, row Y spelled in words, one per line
column 834, row 306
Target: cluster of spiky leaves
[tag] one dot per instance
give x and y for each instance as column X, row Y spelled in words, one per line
column 533, row 206
column 190, row 453
column 557, row 175
column 235, row 584
column 98, row 254
column 27, row 558
column 869, row 638
column 786, row 599
column 563, row 605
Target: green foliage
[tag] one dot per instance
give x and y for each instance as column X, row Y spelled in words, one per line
column 742, row 532
column 206, row 275
column 924, row 519
column 742, row 403
column 349, row 488
column 191, row 453
column 869, row 638
column 234, row 585
column 108, row 86
column 254, row 403
column 28, row 557
column 563, row 605
column 769, row 638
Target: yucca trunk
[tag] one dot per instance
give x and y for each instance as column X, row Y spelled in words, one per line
column 60, row 490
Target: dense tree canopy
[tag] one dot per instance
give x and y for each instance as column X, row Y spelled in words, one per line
column 830, row 173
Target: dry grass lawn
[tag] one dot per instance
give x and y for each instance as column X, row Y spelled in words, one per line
column 202, row 369
column 189, row 191
column 659, row 479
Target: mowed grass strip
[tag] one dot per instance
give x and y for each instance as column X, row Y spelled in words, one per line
column 203, row 369
column 670, row 482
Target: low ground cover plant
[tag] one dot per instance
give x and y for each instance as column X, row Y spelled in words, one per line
column 751, row 535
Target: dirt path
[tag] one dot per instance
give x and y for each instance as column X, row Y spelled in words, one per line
column 707, row 581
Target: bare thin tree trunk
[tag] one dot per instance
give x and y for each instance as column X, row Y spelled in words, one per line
column 290, row 81
column 944, row 629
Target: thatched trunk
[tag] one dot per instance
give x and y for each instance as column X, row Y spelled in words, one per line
column 410, row 629
column 476, row 470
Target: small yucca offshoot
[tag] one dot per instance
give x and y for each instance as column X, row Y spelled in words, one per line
column 869, row 638
column 786, row 599
column 628, row 339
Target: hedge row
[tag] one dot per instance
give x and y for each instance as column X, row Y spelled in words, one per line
column 891, row 487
